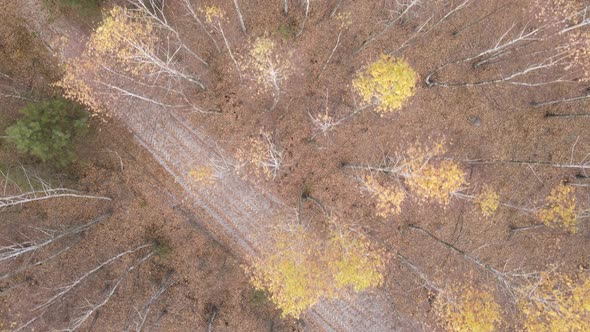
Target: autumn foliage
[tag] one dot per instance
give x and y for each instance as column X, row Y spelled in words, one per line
column 560, row 209
column 557, row 303
column 464, row 308
column 488, row 201
column 386, row 84
column 304, row 267
column 418, row 173
column 388, row 198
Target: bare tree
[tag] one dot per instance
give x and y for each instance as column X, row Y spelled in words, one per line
column 141, row 314
column 191, row 10
column 38, row 190
column 16, row 250
column 76, row 323
column 536, row 46
column 582, row 165
column 325, row 120
column 306, row 4
column 582, row 18
column 153, row 10
column 510, row 280
column 62, row 291
column 560, row 101
column 405, row 8
column 240, row 17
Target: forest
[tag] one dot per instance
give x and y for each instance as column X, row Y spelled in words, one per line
column 295, row 165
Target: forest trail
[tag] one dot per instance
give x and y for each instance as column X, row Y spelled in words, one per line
column 234, row 210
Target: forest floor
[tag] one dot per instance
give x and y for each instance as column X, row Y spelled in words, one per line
column 489, row 122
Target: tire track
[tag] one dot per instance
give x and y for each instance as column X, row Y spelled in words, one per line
column 237, row 213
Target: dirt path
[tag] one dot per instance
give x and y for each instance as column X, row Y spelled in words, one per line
column 232, row 209
column 237, row 212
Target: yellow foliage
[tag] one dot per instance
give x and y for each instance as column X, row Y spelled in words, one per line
column 202, row 174
column 123, row 36
column 76, row 89
column 265, row 65
column 466, row 309
column 418, row 155
column 488, row 201
column 303, row 268
column 263, row 155
column 290, row 273
column 557, row 303
column 353, row 263
column 345, row 19
column 389, row 200
column 560, row 209
column 386, row 84
column 437, row 182
column 212, row 13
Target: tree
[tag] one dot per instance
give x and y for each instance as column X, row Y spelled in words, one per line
column 135, row 53
column 488, row 201
column 389, row 199
column 263, row 154
column 437, row 182
column 386, row 84
column 421, row 170
column 267, row 67
column 303, row 267
column 47, row 130
column 557, row 302
column 214, row 16
column 463, row 308
column 202, row 174
column 560, row 209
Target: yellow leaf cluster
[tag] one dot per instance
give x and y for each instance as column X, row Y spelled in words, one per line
column 303, row 268
column 263, row 155
column 389, row 200
column 212, row 13
column 76, row 89
column 557, row 303
column 567, row 13
column 437, row 182
column 386, row 84
column 466, row 309
column 202, row 174
column 560, row 209
column 354, row 264
column 265, row 65
column 488, row 201
column 345, row 19
column 123, row 36
column 418, row 155
column 289, row 273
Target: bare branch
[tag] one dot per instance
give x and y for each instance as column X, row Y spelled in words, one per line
column 40, row 195
column 64, row 290
column 240, row 17
column 77, row 322
column 560, row 101
column 142, row 314
column 388, row 25
column 194, row 15
column 306, row 4
column 14, row 251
